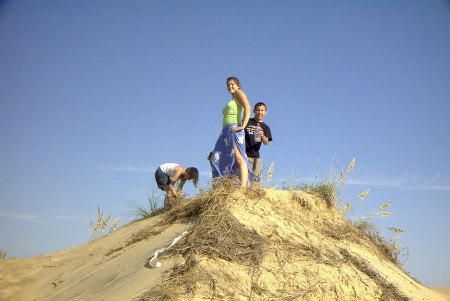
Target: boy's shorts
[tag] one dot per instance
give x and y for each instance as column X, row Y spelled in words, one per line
column 256, row 165
column 161, row 178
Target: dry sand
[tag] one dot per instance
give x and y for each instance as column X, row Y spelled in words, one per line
column 292, row 247
column 105, row 269
column 444, row 289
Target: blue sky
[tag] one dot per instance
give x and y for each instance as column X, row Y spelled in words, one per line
column 94, row 96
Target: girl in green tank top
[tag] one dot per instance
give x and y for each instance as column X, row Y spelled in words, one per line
column 229, row 155
column 232, row 113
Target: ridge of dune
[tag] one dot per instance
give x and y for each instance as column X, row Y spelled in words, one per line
column 257, row 244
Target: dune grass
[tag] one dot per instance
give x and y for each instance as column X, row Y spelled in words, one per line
column 103, row 223
column 330, row 190
column 155, row 203
column 216, row 233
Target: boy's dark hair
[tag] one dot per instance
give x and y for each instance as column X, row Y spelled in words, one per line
column 193, row 172
column 259, row 104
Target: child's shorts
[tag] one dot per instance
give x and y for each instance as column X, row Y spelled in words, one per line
column 256, row 164
column 161, row 178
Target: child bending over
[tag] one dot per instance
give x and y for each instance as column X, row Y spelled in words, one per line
column 168, row 174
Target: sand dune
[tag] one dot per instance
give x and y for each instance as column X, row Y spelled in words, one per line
column 262, row 244
column 444, row 289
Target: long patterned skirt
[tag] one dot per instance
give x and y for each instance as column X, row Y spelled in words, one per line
column 222, row 159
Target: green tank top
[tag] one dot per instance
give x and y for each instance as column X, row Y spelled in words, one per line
column 232, row 113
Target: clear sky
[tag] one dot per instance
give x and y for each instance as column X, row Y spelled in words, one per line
column 94, row 96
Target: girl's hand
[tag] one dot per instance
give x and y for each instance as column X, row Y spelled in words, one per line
column 237, row 128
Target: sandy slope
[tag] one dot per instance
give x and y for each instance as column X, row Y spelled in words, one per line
column 291, row 247
column 92, row 271
column 444, row 289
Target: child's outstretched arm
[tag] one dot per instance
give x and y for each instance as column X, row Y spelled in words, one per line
column 180, row 186
column 176, row 176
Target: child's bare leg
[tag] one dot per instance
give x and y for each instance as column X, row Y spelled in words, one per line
column 243, row 171
column 169, row 199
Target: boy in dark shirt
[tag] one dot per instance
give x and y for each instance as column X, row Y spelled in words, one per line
column 254, row 137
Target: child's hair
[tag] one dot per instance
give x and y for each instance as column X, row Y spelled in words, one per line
column 193, row 172
column 260, row 104
column 235, row 79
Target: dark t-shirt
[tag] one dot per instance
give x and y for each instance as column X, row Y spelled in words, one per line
column 252, row 147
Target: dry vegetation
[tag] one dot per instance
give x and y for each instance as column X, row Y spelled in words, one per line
column 226, row 258
column 98, row 228
column 255, row 244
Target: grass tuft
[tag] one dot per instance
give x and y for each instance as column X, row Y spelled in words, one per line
column 267, row 177
column 330, row 191
column 154, row 205
column 98, row 228
column 389, row 247
column 326, row 191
